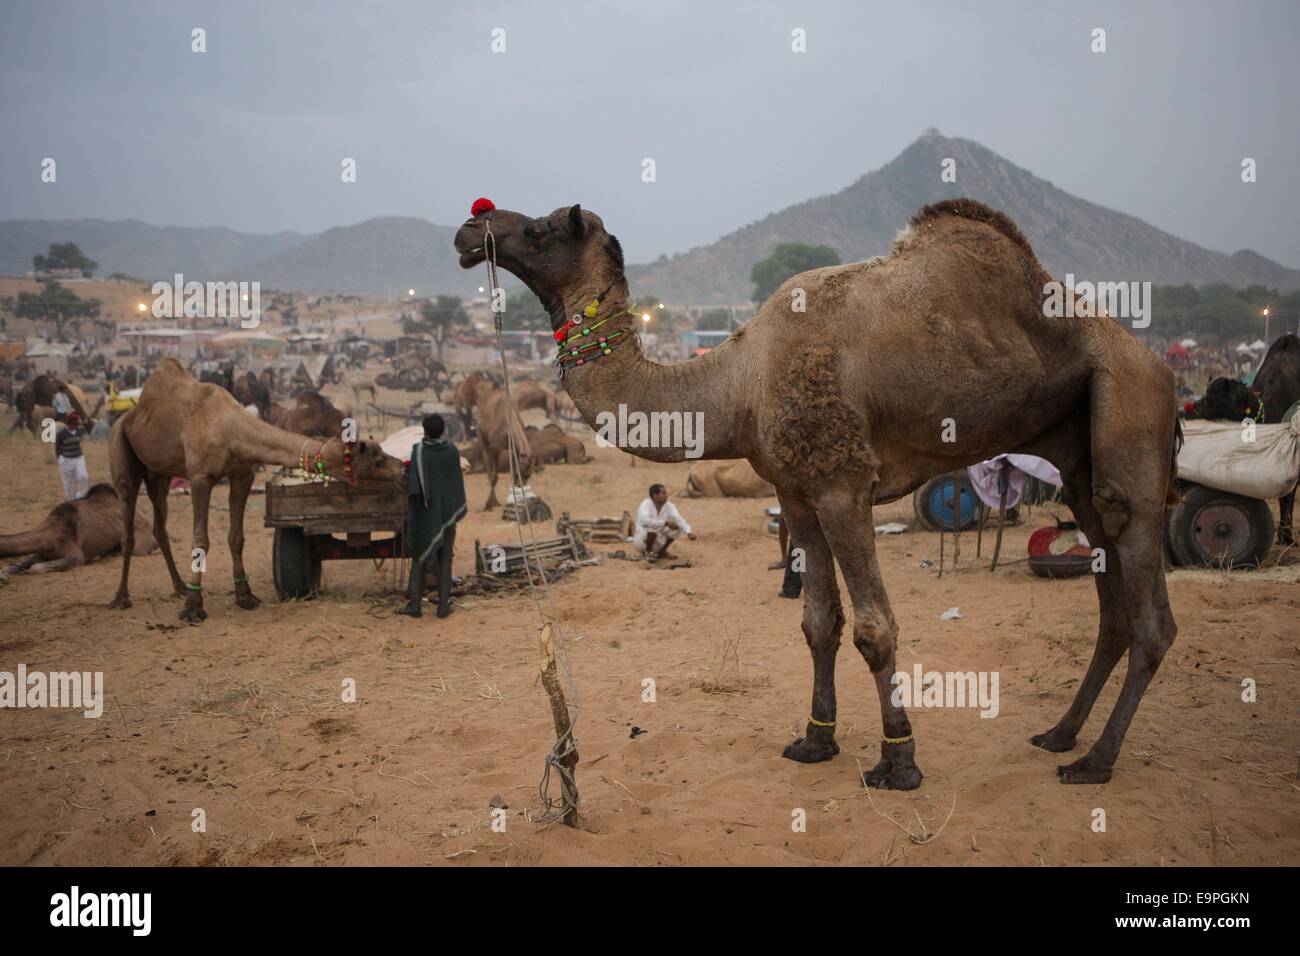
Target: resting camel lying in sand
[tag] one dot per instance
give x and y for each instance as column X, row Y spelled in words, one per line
column 823, row 402
column 183, row 429
column 312, row 414
column 74, row 533
column 726, row 479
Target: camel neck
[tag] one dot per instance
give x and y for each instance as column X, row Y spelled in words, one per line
column 659, row 412
column 256, row 441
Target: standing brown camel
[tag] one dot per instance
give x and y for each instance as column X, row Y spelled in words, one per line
column 184, row 429
column 74, row 533
column 477, row 393
column 823, row 403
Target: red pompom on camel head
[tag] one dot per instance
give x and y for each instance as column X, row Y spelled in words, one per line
column 481, row 205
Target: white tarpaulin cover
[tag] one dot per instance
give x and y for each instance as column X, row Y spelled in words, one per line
column 399, row 444
column 1216, row 455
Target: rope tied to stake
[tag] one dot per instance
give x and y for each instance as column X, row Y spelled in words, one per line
column 565, row 747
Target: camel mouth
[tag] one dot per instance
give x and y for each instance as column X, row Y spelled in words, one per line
column 472, row 257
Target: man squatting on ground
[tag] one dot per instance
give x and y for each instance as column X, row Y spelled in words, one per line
column 658, row 524
column 436, row 501
column 72, row 461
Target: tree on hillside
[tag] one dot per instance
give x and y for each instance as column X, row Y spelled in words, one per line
column 440, row 318
column 788, row 259
column 54, row 304
column 64, row 255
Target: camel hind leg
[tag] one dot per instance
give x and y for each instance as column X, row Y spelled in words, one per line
column 240, row 486
column 128, row 473
column 159, row 487
column 1132, row 440
column 1113, row 629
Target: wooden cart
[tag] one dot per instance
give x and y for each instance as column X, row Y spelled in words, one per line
column 307, row 516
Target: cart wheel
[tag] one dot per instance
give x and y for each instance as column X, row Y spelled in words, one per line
column 946, row 501
column 1214, row 528
column 1172, row 554
column 295, row 569
column 539, row 510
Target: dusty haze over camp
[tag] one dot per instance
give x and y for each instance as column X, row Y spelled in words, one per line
column 250, row 134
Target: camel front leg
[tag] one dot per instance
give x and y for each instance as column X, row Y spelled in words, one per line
column 159, row 488
column 846, row 516
column 200, row 497
column 66, row 563
column 240, row 486
column 823, row 623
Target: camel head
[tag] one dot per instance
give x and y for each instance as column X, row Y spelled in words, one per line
column 368, row 461
column 559, row 257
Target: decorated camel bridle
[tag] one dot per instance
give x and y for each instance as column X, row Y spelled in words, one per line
column 574, row 339
column 318, row 465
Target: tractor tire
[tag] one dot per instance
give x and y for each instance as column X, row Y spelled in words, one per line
column 933, row 503
column 1213, row 528
column 295, row 569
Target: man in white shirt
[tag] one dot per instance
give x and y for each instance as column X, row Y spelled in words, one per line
column 658, row 524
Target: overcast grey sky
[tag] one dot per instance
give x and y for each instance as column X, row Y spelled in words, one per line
column 251, row 134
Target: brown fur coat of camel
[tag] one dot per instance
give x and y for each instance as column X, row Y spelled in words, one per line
column 74, row 533
column 819, row 393
column 184, row 429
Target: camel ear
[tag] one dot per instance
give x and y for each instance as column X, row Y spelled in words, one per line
column 576, row 225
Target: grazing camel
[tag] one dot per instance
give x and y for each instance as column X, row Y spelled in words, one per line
column 823, row 403
column 74, row 533
column 183, row 429
column 477, row 392
column 726, row 479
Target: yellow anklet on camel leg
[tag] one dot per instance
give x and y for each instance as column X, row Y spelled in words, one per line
column 820, row 723
column 897, row 740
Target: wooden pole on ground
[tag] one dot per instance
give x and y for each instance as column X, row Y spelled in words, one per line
column 568, row 760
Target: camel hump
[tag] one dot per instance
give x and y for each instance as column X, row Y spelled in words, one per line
column 975, row 211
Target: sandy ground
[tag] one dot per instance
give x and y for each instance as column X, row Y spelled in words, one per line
column 243, row 716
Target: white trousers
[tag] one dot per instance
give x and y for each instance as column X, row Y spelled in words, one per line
column 76, row 480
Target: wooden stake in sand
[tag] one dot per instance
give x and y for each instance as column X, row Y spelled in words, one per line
column 564, row 756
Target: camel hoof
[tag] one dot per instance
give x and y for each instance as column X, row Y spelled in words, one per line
column 248, row 601
column 193, row 613
column 1053, row 741
column 807, row 750
column 893, row 775
column 120, row 603
column 1083, row 770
